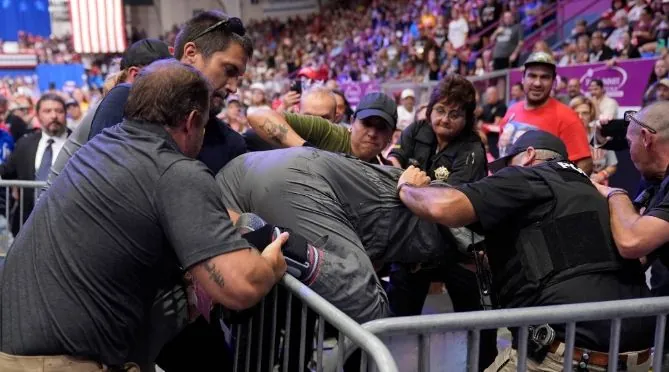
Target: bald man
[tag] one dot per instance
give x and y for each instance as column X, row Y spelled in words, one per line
column 319, row 101
column 493, row 111
column 647, row 233
column 573, row 88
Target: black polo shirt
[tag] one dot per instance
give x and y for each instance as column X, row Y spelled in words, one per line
column 125, row 215
column 462, row 160
column 516, row 197
column 658, row 207
column 490, row 112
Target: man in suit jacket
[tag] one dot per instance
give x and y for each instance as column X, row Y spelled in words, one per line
column 34, row 153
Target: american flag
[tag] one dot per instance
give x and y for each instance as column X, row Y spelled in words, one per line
column 98, row 26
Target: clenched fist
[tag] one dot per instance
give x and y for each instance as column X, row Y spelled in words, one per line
column 413, row 176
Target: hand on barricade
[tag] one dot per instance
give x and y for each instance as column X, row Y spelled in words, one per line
column 272, row 253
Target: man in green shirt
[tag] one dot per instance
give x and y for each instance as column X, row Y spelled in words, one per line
column 374, row 123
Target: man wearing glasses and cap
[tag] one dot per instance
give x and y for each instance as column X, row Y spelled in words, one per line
column 540, row 214
column 375, row 120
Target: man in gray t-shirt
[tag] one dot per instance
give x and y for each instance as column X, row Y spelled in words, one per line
column 118, row 225
column 317, row 193
column 508, row 39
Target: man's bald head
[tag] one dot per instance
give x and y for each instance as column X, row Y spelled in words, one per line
column 319, row 101
column 648, row 139
column 166, row 92
column 491, row 95
column 655, row 116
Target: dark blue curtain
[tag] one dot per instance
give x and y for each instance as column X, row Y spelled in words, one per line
column 59, row 74
column 17, row 71
column 31, row 16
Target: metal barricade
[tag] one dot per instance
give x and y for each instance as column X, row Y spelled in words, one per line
column 278, row 318
column 436, row 342
column 499, row 79
column 18, row 198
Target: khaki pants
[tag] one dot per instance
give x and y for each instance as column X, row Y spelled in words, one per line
column 507, row 361
column 56, row 363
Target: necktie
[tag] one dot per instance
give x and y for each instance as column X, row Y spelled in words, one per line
column 44, row 167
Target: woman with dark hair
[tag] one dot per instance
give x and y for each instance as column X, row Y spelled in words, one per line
column 447, row 139
column 448, row 148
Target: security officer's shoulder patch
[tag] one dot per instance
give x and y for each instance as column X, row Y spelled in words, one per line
column 441, row 173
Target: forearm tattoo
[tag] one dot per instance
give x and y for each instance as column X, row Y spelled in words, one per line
column 276, row 131
column 214, row 275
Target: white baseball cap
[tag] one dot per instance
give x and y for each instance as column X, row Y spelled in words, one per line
column 258, row 86
column 406, row 93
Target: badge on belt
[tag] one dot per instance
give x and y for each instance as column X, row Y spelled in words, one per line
column 441, row 173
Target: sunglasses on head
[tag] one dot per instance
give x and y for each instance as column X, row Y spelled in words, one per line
column 630, row 116
column 233, row 25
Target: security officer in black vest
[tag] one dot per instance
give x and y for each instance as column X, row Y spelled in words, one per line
column 447, row 147
column 549, row 243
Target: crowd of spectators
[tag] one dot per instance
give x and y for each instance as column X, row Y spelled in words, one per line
column 630, row 29
column 420, row 40
column 395, row 40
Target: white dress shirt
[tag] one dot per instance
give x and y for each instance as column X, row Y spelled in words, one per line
column 404, row 117
column 58, row 143
column 608, row 107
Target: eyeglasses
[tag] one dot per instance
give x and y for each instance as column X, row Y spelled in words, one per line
column 452, row 114
column 631, row 116
column 233, row 25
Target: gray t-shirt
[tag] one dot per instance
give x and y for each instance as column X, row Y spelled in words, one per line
column 343, row 192
column 507, row 41
column 125, row 216
column 354, row 204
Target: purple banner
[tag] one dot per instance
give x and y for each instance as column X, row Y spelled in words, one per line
column 625, row 82
column 355, row 90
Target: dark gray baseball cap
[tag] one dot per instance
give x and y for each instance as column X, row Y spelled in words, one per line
column 144, row 52
column 378, row 104
column 535, row 138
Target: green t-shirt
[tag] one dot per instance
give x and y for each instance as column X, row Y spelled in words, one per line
column 320, row 133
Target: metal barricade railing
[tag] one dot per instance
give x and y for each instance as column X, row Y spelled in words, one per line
column 255, row 352
column 499, row 79
column 417, row 336
column 18, row 197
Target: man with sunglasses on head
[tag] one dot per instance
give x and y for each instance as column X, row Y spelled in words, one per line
column 374, row 122
column 217, row 46
column 548, row 243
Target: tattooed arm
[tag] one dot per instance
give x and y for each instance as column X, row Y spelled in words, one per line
column 240, row 279
column 272, row 127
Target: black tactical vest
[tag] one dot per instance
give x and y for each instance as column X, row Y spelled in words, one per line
column 573, row 239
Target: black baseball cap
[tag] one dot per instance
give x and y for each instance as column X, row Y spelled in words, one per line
column 145, row 52
column 378, row 104
column 535, row 138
